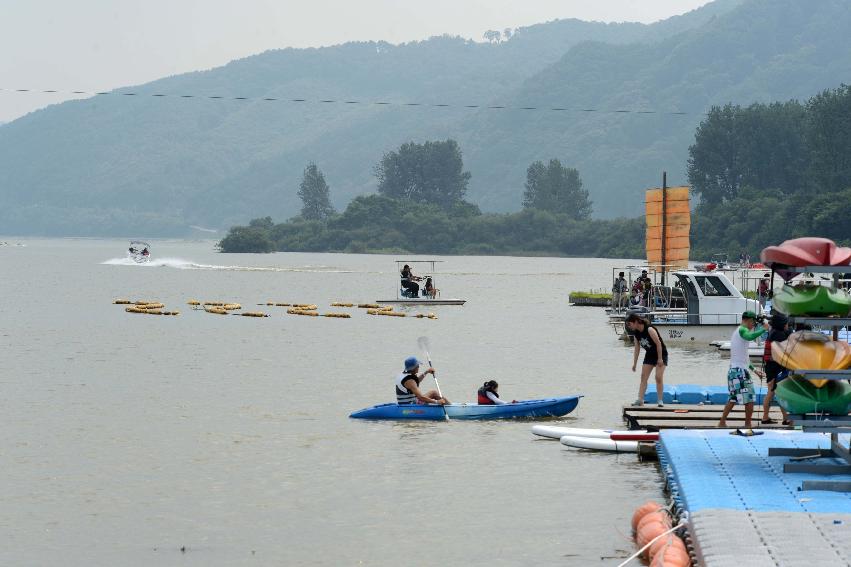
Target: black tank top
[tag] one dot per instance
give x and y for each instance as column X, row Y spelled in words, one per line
column 646, row 342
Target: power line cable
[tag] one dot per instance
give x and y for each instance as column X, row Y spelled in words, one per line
column 362, row 102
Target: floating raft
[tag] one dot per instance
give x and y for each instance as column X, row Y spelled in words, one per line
column 579, row 299
column 697, row 394
column 743, row 510
column 679, row 416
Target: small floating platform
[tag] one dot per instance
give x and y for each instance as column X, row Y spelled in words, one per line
column 679, row 416
column 584, row 300
column 744, row 510
column 422, row 301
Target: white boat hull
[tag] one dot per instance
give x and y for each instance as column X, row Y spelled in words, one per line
column 699, row 335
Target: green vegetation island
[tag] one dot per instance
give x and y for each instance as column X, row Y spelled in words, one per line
column 760, row 174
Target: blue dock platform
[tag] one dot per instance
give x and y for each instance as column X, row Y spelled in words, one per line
column 742, row 510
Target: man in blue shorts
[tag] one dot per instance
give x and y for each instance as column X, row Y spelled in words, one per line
column 739, row 381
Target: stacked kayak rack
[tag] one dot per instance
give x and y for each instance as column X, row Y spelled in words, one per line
column 817, row 395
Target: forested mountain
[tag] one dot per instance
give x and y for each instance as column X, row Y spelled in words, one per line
column 154, row 165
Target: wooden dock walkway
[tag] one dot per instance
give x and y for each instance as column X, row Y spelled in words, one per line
column 679, row 416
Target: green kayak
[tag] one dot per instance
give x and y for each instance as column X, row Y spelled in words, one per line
column 797, row 395
column 812, row 300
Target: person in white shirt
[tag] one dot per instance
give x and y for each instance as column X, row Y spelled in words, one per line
column 739, row 381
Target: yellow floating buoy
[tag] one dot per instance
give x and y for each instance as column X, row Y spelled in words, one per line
column 193, row 302
column 216, row 310
column 387, row 312
column 252, row 314
column 337, row 315
column 368, row 305
column 309, row 313
column 122, row 302
column 231, row 306
column 424, row 316
column 214, row 303
column 151, row 306
column 283, row 305
column 305, row 306
column 341, row 304
column 143, row 302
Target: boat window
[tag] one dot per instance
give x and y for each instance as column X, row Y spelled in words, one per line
column 712, row 286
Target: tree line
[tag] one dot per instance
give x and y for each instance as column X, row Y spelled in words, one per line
column 769, row 172
column 761, row 174
column 420, row 208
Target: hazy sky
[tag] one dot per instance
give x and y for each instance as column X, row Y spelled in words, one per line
column 92, row 45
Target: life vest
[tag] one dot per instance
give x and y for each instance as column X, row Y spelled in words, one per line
column 403, row 395
column 483, row 397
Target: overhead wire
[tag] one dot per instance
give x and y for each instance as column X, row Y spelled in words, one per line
column 361, row 102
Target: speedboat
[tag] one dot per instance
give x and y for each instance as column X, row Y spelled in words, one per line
column 139, row 251
column 406, row 294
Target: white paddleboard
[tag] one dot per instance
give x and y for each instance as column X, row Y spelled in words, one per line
column 600, row 444
column 555, row 432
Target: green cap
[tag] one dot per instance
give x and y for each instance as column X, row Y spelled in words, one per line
column 749, row 315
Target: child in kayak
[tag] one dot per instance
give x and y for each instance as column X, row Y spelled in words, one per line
column 488, row 394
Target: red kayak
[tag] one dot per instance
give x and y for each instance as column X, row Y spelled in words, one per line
column 807, row 251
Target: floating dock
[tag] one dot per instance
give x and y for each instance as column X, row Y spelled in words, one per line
column 679, row 416
column 742, row 510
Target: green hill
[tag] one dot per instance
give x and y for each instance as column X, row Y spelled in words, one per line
column 155, row 165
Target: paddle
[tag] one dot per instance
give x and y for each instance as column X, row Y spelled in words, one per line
column 424, row 345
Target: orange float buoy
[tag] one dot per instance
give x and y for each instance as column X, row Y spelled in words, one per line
column 669, row 540
column 673, row 555
column 649, row 530
column 644, row 509
column 658, row 515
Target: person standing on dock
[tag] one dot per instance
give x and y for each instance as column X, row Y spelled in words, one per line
column 739, row 382
column 619, row 292
column 774, row 372
column 647, row 337
column 762, row 292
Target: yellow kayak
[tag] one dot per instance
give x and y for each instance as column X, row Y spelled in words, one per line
column 808, row 350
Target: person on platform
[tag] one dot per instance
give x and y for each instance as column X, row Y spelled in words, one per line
column 739, row 383
column 408, row 386
column 774, row 372
column 409, row 281
column 620, row 295
column 647, row 337
column 429, row 289
column 762, row 292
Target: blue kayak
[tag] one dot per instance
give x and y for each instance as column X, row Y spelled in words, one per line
column 550, row 407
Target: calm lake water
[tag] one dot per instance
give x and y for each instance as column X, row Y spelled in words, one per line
column 128, row 437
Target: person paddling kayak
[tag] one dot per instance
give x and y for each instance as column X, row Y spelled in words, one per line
column 408, row 386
